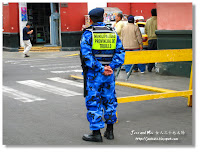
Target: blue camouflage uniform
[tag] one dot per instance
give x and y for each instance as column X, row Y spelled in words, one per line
column 100, row 89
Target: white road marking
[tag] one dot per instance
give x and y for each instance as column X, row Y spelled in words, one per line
column 65, row 67
column 24, row 64
column 19, row 95
column 69, row 82
column 49, row 88
column 26, row 61
column 10, row 61
column 46, row 65
column 67, row 71
column 34, row 60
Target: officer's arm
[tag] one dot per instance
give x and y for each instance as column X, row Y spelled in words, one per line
column 87, row 56
column 118, row 58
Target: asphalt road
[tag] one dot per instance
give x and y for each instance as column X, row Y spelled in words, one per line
column 42, row 105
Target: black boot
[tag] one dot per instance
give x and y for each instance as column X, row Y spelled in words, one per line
column 95, row 136
column 109, row 132
column 26, row 56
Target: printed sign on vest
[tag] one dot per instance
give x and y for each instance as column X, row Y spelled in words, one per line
column 104, row 41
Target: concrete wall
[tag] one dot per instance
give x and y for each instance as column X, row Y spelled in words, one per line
column 142, row 9
column 124, row 7
column 174, row 16
column 136, row 9
column 174, row 32
column 72, row 17
column 11, row 27
column 11, row 18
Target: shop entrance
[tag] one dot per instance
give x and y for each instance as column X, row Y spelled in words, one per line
column 40, row 17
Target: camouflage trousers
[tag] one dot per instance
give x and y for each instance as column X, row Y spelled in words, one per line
column 101, row 101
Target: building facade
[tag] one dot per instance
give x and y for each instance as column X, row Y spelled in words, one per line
column 174, row 32
column 56, row 23
column 60, row 24
column 48, row 19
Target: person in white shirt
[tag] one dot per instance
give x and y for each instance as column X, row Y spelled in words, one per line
column 119, row 24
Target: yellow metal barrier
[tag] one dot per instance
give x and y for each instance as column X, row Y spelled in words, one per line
column 152, row 56
column 154, row 96
column 190, row 88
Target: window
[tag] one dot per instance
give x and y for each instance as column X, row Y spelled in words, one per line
column 141, row 25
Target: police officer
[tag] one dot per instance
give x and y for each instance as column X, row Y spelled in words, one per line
column 101, row 52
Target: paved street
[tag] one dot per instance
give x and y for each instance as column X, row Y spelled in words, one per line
column 42, row 105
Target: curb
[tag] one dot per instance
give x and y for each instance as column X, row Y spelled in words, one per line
column 137, row 86
column 71, row 55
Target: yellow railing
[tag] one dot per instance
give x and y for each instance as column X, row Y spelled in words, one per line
column 152, row 56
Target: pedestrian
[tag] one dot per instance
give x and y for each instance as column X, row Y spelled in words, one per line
column 150, row 28
column 101, row 52
column 132, row 41
column 26, row 39
column 119, row 24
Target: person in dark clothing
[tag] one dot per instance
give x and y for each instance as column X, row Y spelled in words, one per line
column 99, row 60
column 150, row 28
column 26, row 39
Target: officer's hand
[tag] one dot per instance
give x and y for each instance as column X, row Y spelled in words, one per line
column 107, row 73
column 108, row 70
column 109, row 67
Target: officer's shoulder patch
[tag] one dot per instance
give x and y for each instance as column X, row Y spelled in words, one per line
column 88, row 29
column 110, row 27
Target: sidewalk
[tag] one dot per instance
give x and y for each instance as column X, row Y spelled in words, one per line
column 156, row 80
column 159, row 117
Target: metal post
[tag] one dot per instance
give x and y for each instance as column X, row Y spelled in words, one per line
column 129, row 73
column 190, row 88
column 117, row 117
column 118, row 70
column 54, row 18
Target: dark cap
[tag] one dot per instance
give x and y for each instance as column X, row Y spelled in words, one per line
column 154, row 12
column 97, row 12
column 28, row 24
column 131, row 19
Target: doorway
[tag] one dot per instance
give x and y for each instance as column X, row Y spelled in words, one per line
column 39, row 15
